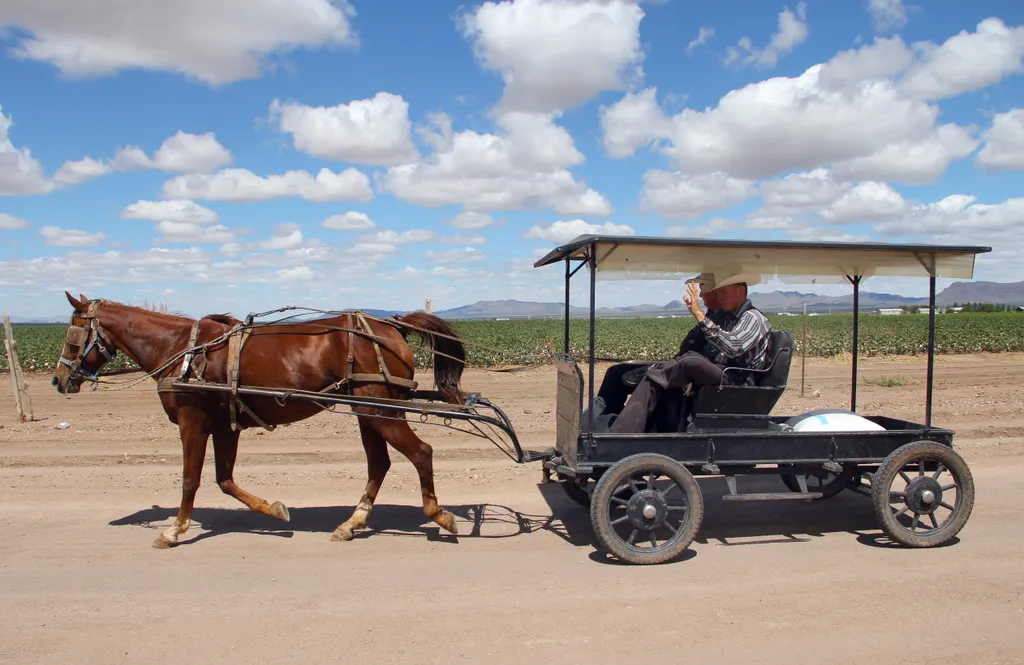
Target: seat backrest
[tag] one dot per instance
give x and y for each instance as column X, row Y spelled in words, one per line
column 780, row 346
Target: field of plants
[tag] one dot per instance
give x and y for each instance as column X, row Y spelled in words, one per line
column 530, row 341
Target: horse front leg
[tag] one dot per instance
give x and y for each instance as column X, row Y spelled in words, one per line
column 225, row 451
column 194, row 427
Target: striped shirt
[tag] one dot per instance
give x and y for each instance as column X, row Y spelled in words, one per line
column 739, row 341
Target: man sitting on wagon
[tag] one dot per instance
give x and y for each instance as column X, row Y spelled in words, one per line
column 737, row 339
column 614, row 392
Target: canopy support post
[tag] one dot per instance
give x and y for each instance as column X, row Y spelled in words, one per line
column 568, row 275
column 592, row 260
column 931, row 349
column 856, row 325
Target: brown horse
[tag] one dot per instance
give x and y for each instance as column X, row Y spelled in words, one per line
column 301, row 356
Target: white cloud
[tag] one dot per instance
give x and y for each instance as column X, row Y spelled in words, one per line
column 20, row 173
column 887, row 14
column 12, row 223
column 83, row 170
column 880, row 60
column 633, row 122
column 215, row 42
column 395, row 238
column 464, row 239
column 242, row 185
column 801, row 192
column 189, row 232
column 58, row 237
column 1004, row 142
column 792, row 32
column 958, row 217
column 349, row 221
column 464, row 255
column 564, row 231
column 298, row 274
column 965, row 62
column 678, row 195
column 286, row 236
column 866, row 202
column 556, row 54
column 522, row 168
column 704, row 35
column 173, row 210
column 365, row 131
column 917, row 161
column 470, row 220
column 192, row 153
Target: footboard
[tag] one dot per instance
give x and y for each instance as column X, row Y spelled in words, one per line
column 568, row 405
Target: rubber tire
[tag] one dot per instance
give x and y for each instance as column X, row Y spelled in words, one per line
column 575, row 492
column 840, row 483
column 889, row 469
column 600, row 502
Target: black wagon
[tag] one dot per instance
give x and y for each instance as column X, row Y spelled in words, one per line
column 645, row 504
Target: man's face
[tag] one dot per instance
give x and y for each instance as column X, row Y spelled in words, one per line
column 732, row 296
column 710, row 299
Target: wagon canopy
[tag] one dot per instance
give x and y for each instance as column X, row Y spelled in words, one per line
column 639, row 257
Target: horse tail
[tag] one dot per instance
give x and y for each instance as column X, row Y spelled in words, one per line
column 448, row 367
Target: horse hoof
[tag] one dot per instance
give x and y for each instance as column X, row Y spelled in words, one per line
column 341, row 534
column 162, row 543
column 278, row 510
column 447, row 522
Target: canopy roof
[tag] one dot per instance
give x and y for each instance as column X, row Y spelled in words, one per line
column 638, row 257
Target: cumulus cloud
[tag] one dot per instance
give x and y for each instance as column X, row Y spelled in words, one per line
column 58, row 237
column 365, row 131
column 195, row 234
column 286, row 236
column 682, row 196
column 20, row 172
column 464, row 239
column 12, row 223
column 450, row 256
column 470, row 220
column 792, row 32
column 349, row 221
column 523, row 167
column 214, row 42
column 866, row 112
column 242, row 185
column 1004, row 142
column 563, row 231
column 556, row 54
column 173, row 210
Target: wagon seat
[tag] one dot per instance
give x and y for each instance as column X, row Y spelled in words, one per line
column 679, row 410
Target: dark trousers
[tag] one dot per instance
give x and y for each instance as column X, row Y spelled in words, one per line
column 613, row 391
column 675, row 374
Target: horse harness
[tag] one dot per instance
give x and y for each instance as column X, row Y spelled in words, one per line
column 239, row 335
column 85, row 339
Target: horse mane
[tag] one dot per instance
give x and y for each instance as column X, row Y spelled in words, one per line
column 226, row 319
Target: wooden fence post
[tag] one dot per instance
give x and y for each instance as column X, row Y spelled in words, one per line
column 21, row 398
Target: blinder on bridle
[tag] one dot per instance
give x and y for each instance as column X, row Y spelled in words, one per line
column 85, row 339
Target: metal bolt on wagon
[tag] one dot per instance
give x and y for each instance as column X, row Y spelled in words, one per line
column 646, row 506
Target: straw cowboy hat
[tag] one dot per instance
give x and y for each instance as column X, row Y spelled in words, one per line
column 706, row 281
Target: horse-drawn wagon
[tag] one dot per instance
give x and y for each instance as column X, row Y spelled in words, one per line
column 645, row 504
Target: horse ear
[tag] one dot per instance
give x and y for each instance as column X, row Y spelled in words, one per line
column 85, row 301
column 79, row 306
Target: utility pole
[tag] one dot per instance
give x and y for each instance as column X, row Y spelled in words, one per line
column 428, row 306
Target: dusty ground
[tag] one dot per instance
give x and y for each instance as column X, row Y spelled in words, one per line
column 790, row 583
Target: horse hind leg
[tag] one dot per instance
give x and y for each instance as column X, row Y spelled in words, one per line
column 194, row 429
column 377, row 464
column 401, row 435
column 225, row 451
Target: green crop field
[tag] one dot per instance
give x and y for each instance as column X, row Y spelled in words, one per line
column 529, row 341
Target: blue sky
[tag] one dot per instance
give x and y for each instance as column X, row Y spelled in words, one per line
column 260, row 153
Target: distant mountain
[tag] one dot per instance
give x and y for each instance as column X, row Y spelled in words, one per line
column 1011, row 293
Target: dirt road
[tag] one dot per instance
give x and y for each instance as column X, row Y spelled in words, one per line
column 522, row 582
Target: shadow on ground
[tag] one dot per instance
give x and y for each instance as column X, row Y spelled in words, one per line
column 726, row 523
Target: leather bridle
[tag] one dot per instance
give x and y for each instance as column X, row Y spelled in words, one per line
column 86, row 339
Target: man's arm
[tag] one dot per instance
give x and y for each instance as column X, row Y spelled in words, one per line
column 751, row 327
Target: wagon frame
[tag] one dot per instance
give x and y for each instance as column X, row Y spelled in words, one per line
column 729, row 430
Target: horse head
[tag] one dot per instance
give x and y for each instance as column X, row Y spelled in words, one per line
column 87, row 348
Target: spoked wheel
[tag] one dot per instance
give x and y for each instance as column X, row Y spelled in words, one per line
column 923, row 494
column 826, row 482
column 646, row 509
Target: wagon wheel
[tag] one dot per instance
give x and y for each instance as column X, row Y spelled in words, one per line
column 921, row 510
column 576, row 492
column 640, row 520
column 820, row 480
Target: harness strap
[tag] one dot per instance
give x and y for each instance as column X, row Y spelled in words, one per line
column 235, row 343
column 187, row 362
